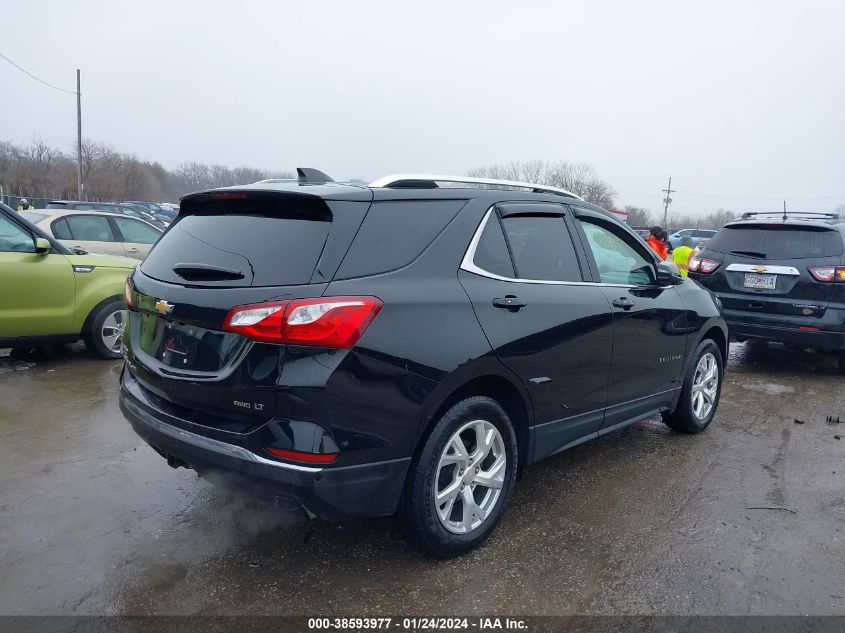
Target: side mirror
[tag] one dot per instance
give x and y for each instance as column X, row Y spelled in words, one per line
column 668, row 274
column 42, row 245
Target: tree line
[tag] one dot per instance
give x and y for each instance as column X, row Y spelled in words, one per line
column 640, row 217
column 38, row 170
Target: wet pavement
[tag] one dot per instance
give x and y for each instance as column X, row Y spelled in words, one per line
column 644, row 520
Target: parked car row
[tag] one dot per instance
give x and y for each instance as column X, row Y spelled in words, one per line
column 405, row 348
column 134, row 211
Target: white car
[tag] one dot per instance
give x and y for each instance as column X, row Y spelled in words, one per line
column 97, row 232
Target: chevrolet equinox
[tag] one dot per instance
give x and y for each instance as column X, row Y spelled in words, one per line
column 408, row 346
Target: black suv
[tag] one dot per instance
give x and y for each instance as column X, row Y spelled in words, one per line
column 780, row 277
column 406, row 346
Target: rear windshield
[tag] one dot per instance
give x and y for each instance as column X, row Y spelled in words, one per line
column 233, row 243
column 777, row 241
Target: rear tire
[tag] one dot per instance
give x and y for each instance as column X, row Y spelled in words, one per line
column 459, row 485
column 104, row 331
column 841, row 357
column 701, row 391
column 21, row 353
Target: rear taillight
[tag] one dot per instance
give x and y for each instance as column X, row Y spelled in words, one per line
column 336, row 322
column 828, row 273
column 702, row 265
column 127, row 293
column 303, row 457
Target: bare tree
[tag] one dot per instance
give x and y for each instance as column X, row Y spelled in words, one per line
column 579, row 178
column 638, row 216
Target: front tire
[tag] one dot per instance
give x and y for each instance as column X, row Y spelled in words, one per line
column 701, row 391
column 104, row 331
column 459, row 486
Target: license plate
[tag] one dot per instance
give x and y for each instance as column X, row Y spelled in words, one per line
column 756, row 280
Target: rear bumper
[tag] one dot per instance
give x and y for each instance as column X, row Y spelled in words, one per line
column 331, row 493
column 822, row 340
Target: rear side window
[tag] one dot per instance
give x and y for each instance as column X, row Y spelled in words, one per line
column 395, row 233
column 61, row 230
column 777, row 241
column 261, row 241
column 541, row 248
column 136, row 232
column 90, row 228
column 492, row 254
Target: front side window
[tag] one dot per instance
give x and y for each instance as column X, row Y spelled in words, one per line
column 618, row 262
column 13, row 239
column 541, row 248
column 136, row 232
column 90, row 228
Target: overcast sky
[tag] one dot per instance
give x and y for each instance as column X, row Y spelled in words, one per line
column 742, row 103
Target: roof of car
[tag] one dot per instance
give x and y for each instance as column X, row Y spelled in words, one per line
column 798, row 221
column 57, row 213
column 354, row 191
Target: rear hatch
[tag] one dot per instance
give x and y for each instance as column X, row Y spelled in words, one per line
column 766, row 269
column 230, row 248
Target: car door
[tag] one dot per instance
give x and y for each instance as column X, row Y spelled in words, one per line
column 92, row 233
column 138, row 237
column 38, row 289
column 649, row 321
column 524, row 277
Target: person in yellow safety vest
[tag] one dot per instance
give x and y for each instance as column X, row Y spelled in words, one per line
column 682, row 254
column 24, row 205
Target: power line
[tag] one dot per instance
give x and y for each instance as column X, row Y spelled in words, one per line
column 26, row 72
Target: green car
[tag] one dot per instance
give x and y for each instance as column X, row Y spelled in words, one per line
column 50, row 294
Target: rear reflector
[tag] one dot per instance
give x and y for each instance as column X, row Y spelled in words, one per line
column 303, row 457
column 336, row 322
column 809, row 328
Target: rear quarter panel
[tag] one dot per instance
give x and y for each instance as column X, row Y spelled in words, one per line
column 702, row 313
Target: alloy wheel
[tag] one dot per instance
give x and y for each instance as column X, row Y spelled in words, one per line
column 111, row 332
column 705, row 386
column 470, row 476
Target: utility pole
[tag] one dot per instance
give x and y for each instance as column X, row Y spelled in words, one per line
column 666, row 202
column 78, row 138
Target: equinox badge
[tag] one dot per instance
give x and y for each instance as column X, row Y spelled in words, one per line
column 162, row 307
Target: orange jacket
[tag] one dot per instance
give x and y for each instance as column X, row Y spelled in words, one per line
column 658, row 247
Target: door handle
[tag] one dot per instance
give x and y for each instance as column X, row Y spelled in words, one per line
column 510, row 302
column 623, row 302
column 133, row 250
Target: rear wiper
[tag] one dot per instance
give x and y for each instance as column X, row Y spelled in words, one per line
column 206, row 272
column 756, row 254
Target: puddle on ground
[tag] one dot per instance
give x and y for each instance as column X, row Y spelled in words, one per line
column 770, row 389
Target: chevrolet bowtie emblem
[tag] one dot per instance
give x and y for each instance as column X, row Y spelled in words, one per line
column 162, row 307
column 760, row 269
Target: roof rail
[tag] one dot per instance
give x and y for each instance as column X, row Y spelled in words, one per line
column 810, row 215
column 429, row 181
